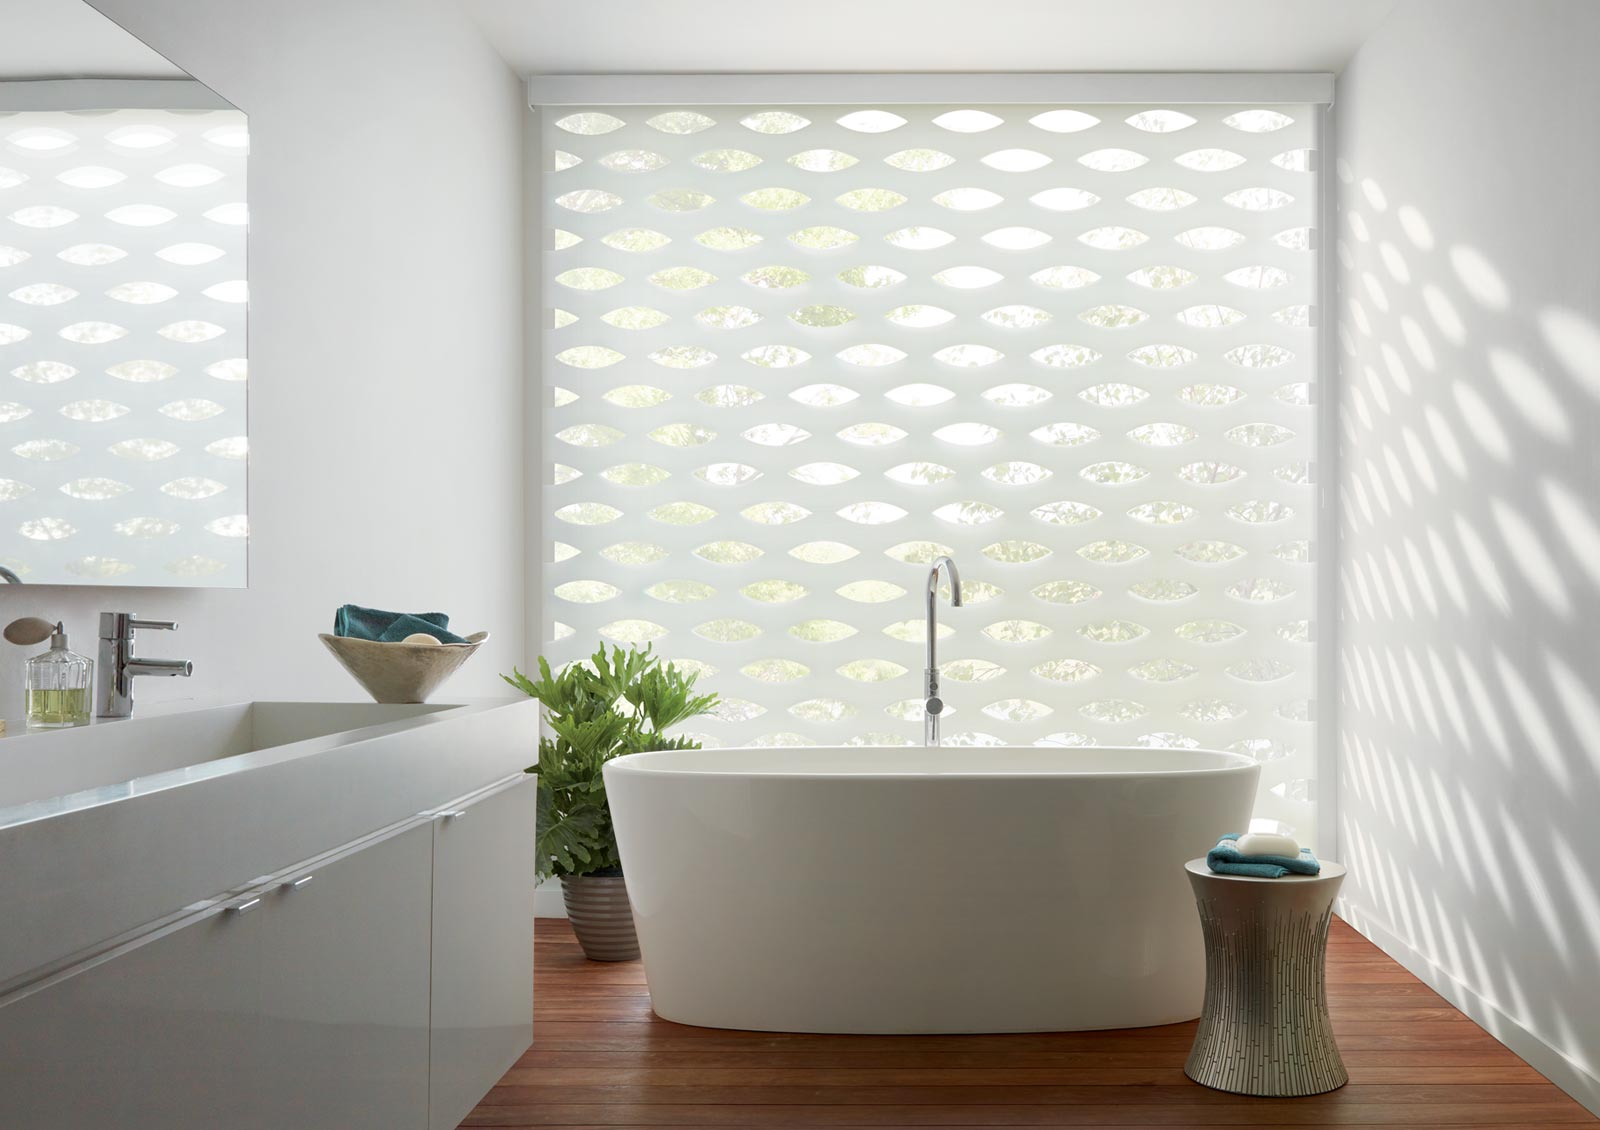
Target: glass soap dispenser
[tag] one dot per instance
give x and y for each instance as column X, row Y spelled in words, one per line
column 59, row 686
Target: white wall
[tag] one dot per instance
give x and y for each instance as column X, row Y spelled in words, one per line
column 1470, row 560
column 385, row 343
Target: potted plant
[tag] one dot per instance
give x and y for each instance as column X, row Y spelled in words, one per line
column 621, row 702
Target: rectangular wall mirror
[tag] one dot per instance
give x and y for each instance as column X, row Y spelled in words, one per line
column 122, row 310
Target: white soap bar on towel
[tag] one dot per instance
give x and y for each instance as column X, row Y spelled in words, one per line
column 1267, row 843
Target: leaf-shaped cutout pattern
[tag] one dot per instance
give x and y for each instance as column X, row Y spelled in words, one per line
column 725, row 160
column 776, row 277
column 776, row 435
column 1258, row 199
column 1113, row 473
column 823, row 238
column 561, row 239
column 967, row 434
column 921, row 238
column 1064, row 278
column 1016, row 160
column 1163, row 513
column 1257, row 121
column 636, row 240
column 1163, row 670
column 1210, row 472
column 634, row 552
column 589, row 278
column 1063, row 199
column 823, row 395
column 1112, row 711
column 1162, row 199
column 919, row 395
column 589, row 200
column 870, row 199
column 143, row 450
column 1296, row 239
column 1064, row 121
column 1163, row 434
column 1016, row 473
column 728, row 238
column 635, row 318
column 43, row 216
column 1258, row 435
column 970, row 513
column 970, row 670
column 870, row 592
column 727, row 474
column 588, row 514
column 1016, row 395
column 682, row 200
column 870, row 121
column 1210, row 395
column 1015, row 551
column 1162, row 277
column 1260, row 590
column 1211, row 710
column 1259, row 277
column 590, row 124
column 823, row 317
column 967, row 199
column 774, row 591
column 919, row 160
column 967, row 277
column 727, row 630
column 919, row 474
column 727, row 317
column 1210, row 551
column 146, row 293
column 682, row 278
column 635, row 474
column 1112, row 160
column 1208, row 631
column 44, row 372
column 589, row 356
column 1064, row 434
column 871, row 513
column 774, row 121
column 871, row 670
column 871, row 355
column 968, row 356
column 870, row 277
column 1209, row 238
column 102, row 254
column 918, row 316
column 775, row 199
column 586, row 592
column 633, row 161
column 1163, row 356
column 1113, row 237
column 1112, row 551
column 1210, row 160
column 822, row 631
column 728, row 552
column 633, row 632
column 192, row 409
column 1115, row 395
column 967, row 121
column 823, row 710
column 919, row 553
column 191, row 330
column 682, row 435
column 682, row 513
column 774, row 513
column 1112, row 317
column 1260, row 512
column 1113, row 631
column 93, row 411
column 1017, row 710
column 823, row 160
column 1017, row 239
column 773, row 671
column 1210, row 316
column 823, row 552
column 1159, row 121
column 776, row 356
column 92, row 489
column 141, row 215
column 1260, row 670
column 729, row 396
column 683, row 357
column 1064, row 356
column 43, row 294
column 1067, row 592
column 1162, row 591
column 1296, row 160
column 92, row 333
column 192, row 487
column 872, row 434
column 1297, row 394
column 1066, row 670
column 1259, row 356
column 1065, row 513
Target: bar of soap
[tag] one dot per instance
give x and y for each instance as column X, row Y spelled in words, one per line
column 420, row 637
column 1267, row 843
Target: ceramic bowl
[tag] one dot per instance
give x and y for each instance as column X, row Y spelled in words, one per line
column 400, row 672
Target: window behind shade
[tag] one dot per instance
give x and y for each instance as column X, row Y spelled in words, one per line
column 794, row 353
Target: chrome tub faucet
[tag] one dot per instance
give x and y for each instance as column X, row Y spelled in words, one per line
column 933, row 705
column 119, row 666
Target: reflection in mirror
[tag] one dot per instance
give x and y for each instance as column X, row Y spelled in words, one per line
column 122, row 310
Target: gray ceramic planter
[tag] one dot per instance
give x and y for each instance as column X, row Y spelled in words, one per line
column 597, row 907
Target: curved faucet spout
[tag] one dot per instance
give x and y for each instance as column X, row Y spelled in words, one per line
column 933, row 705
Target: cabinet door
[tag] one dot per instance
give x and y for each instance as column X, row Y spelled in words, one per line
column 344, row 987
column 482, row 946
column 156, row 1034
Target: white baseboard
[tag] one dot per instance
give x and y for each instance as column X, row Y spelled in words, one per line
column 1554, row 1064
column 547, row 902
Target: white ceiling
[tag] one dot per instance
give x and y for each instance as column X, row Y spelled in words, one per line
column 701, row 36
column 52, row 39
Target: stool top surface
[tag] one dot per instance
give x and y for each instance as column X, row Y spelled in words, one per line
column 1330, row 870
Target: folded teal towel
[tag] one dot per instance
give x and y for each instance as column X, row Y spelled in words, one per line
column 1225, row 859
column 388, row 627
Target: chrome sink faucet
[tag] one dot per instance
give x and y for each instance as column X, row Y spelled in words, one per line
column 933, row 705
column 118, row 665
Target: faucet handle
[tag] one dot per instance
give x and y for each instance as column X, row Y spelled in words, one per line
column 154, row 625
column 121, row 625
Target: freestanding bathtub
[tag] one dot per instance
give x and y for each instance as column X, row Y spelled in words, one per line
column 903, row 890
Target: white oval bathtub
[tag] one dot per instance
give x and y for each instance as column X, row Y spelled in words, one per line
column 1016, row 889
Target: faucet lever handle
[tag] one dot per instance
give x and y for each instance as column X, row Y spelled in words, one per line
column 154, row 625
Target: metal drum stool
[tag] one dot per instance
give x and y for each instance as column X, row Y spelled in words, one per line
column 1264, row 1029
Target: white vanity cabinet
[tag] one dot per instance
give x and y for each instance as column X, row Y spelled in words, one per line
column 384, row 985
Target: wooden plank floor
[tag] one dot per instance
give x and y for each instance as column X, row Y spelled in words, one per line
column 601, row 1058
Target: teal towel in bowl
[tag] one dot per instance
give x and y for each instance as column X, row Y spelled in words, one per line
column 388, row 627
column 1226, row 859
